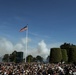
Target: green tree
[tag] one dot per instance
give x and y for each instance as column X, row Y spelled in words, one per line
column 6, row 58
column 13, row 56
column 29, row 58
column 64, row 55
column 39, row 58
column 72, row 54
column 67, row 46
column 55, row 55
column 34, row 59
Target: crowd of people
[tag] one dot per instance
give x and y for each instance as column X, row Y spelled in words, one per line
column 37, row 69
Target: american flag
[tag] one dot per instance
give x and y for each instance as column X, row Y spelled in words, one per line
column 23, row 29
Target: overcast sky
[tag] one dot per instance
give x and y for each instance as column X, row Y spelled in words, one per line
column 50, row 23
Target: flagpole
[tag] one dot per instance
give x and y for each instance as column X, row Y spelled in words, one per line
column 26, row 43
column 21, row 30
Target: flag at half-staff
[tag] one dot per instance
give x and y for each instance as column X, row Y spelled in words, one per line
column 23, row 29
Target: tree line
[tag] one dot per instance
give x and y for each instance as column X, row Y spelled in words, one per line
column 18, row 57
column 66, row 52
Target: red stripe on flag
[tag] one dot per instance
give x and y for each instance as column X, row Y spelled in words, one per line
column 23, row 29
